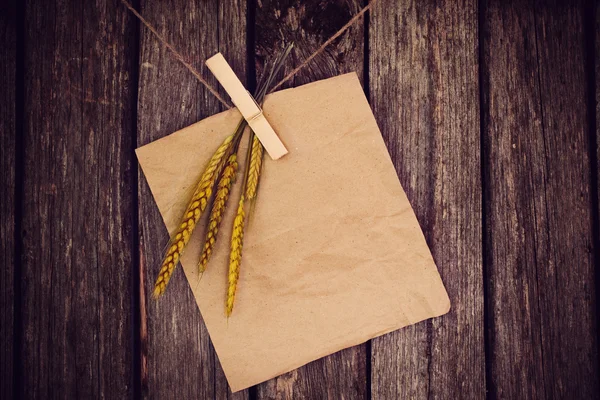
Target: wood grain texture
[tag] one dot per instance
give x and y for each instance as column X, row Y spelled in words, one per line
column 594, row 26
column 308, row 25
column 77, row 225
column 80, row 211
column 424, row 92
column 541, row 304
column 594, row 22
column 8, row 137
column 178, row 360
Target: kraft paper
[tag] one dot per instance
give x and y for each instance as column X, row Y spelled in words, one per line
column 333, row 253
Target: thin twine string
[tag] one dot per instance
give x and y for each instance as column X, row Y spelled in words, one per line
column 289, row 76
column 177, row 55
column 324, row 45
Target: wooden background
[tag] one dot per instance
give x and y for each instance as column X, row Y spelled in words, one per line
column 489, row 111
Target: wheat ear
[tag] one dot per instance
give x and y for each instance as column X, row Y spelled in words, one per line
column 256, row 157
column 192, row 214
column 235, row 255
column 218, row 208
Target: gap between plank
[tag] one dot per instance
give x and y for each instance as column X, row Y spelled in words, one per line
column 366, row 55
column 367, row 89
column 19, row 194
column 136, row 281
column 484, row 167
column 251, row 86
column 589, row 29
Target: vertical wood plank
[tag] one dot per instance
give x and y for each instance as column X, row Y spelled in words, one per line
column 109, row 93
column 178, row 360
column 308, row 25
column 53, row 35
column 77, row 203
column 543, row 340
column 594, row 21
column 595, row 26
column 8, row 135
column 424, row 92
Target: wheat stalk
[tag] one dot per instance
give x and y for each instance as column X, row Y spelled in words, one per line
column 235, row 255
column 192, row 214
column 218, row 209
column 237, row 235
column 219, row 174
column 256, row 156
column 207, row 181
column 251, row 176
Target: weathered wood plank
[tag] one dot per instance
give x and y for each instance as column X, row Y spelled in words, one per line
column 595, row 25
column 178, row 360
column 108, row 110
column 77, row 203
column 8, row 135
column 594, row 22
column 540, row 262
column 308, row 25
column 424, row 92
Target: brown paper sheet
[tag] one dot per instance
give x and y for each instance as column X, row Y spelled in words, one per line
column 333, row 255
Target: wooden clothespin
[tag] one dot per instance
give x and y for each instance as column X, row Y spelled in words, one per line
column 247, row 106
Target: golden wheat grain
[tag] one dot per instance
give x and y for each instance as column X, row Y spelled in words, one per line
column 210, row 173
column 175, row 249
column 256, row 156
column 235, row 255
column 218, row 209
column 192, row 214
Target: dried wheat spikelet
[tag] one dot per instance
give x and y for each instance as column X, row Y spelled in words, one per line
column 211, row 172
column 256, row 156
column 235, row 255
column 192, row 214
column 218, row 209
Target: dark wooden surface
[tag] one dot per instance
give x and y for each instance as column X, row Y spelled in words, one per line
column 76, row 221
column 424, row 92
column 489, row 110
column 537, row 180
column 8, row 155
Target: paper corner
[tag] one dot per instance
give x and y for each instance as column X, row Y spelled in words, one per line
column 444, row 306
